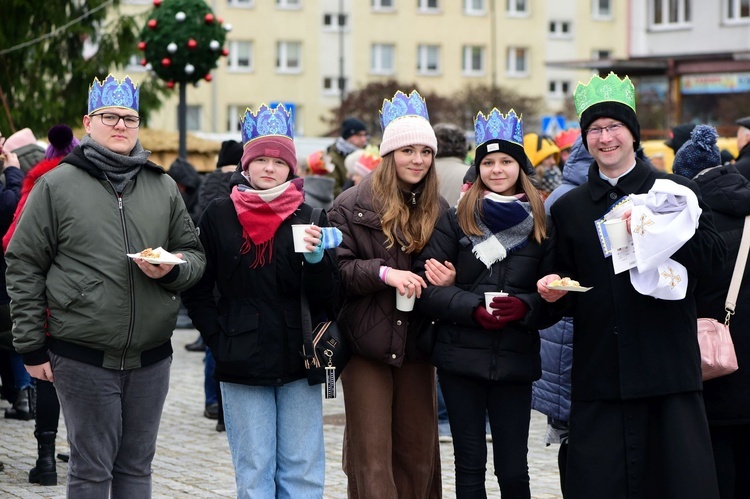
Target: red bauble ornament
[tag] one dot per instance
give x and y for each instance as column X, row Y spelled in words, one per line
column 157, row 3
column 170, row 84
column 141, row 45
column 220, row 20
column 144, row 62
column 166, row 62
column 191, row 44
column 208, row 77
column 152, row 23
column 209, row 18
column 224, row 52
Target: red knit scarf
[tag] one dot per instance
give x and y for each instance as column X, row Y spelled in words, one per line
column 261, row 213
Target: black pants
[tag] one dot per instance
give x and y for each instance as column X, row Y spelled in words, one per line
column 508, row 406
column 47, row 407
column 730, row 444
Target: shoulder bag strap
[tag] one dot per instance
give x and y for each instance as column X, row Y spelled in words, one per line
column 307, row 341
column 739, row 270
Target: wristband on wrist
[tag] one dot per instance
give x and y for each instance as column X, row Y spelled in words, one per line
column 384, row 272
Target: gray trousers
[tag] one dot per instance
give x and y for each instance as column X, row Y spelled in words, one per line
column 112, row 418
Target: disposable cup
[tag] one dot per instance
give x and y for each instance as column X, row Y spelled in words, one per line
column 488, row 296
column 299, row 234
column 617, row 231
column 404, row 303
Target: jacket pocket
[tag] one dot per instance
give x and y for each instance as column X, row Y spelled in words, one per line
column 87, row 290
column 238, row 338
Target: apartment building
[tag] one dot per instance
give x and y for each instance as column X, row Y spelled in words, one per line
column 304, row 52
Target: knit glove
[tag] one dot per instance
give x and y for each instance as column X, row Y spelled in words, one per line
column 486, row 319
column 330, row 237
column 508, row 309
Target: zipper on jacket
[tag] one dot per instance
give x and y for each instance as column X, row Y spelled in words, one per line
column 131, row 279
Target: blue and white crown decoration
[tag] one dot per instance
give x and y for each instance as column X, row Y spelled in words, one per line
column 496, row 126
column 113, row 93
column 403, row 105
column 267, row 121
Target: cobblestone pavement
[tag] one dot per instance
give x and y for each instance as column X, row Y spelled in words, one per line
column 192, row 459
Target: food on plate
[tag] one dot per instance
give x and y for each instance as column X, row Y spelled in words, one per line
column 565, row 281
column 150, row 253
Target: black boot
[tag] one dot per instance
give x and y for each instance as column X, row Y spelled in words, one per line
column 25, row 406
column 45, row 471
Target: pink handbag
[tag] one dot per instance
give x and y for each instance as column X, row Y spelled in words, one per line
column 717, row 350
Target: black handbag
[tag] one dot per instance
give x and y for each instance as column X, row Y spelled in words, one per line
column 325, row 349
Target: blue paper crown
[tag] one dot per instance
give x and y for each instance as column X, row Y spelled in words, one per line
column 496, row 126
column 267, row 121
column 113, row 93
column 402, row 105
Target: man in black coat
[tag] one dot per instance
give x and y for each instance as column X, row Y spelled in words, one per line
column 743, row 146
column 637, row 421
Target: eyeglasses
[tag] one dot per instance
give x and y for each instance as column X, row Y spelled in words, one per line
column 596, row 131
column 111, row 119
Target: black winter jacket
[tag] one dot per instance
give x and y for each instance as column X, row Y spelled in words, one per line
column 462, row 346
column 628, row 345
column 727, row 192
column 253, row 326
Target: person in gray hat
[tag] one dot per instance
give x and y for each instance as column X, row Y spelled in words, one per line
column 743, row 146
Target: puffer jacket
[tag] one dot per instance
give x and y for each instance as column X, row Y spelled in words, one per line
column 252, row 321
column 369, row 316
column 68, row 256
column 462, row 346
column 550, row 395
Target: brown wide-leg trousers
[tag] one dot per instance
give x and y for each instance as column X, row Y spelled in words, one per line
column 391, row 448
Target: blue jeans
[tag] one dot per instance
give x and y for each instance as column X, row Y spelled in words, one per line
column 22, row 379
column 209, row 382
column 112, row 418
column 276, row 439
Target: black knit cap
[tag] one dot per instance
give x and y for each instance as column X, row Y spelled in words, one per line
column 351, row 126
column 229, row 154
column 512, row 149
column 616, row 111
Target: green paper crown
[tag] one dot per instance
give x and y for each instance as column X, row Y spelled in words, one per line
column 609, row 89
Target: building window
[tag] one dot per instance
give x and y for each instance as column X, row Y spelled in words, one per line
column 289, row 4
column 332, row 85
column 381, row 58
column 670, row 13
column 382, row 4
column 289, row 57
column 472, row 63
column 234, row 112
column 428, row 59
column 240, row 56
column 737, row 10
column 560, row 29
column 474, row 7
column 517, row 7
column 428, row 5
column 599, row 55
column 241, row 3
column 192, row 118
column 559, row 88
column 518, row 61
column 602, row 9
column 334, row 22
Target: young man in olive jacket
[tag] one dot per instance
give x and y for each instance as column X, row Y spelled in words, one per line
column 87, row 317
column 637, row 421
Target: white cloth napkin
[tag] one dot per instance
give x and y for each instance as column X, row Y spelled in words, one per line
column 662, row 221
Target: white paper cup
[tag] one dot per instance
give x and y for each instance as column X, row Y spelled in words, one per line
column 299, row 234
column 617, row 231
column 404, row 303
column 488, row 296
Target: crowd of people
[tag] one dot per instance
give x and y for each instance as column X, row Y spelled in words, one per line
column 481, row 244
